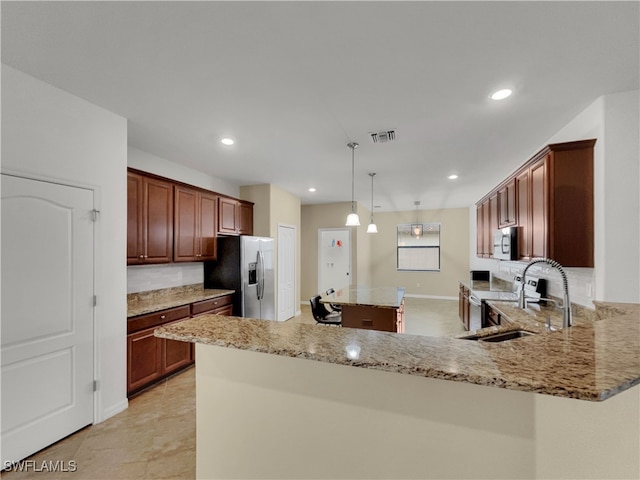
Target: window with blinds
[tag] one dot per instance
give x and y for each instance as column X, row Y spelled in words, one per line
column 418, row 247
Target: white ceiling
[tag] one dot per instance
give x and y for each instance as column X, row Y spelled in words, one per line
column 294, row 82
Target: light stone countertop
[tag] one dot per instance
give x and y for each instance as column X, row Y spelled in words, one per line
column 162, row 299
column 589, row 361
column 383, row 297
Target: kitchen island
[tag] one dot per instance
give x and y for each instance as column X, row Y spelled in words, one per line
column 304, row 401
column 380, row 308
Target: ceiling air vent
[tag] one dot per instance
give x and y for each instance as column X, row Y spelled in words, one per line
column 384, row 136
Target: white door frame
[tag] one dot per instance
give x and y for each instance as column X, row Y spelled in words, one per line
column 320, row 230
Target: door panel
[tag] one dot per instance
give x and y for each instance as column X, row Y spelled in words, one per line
column 208, row 209
column 286, row 272
column 47, row 314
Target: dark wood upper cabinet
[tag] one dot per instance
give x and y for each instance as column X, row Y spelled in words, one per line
column 507, row 204
column 208, row 215
column 195, row 221
column 538, row 209
column 554, row 205
column 168, row 221
column 227, row 216
column 235, row 217
column 245, row 223
column 523, row 216
column 149, row 220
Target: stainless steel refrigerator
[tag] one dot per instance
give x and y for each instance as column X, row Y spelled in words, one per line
column 245, row 264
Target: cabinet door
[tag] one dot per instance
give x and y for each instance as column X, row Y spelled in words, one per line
column 135, row 202
column 185, row 248
column 523, row 191
column 538, row 182
column 492, row 224
column 207, row 232
column 175, row 355
column 479, row 230
column 507, row 204
column 158, row 214
column 144, row 364
column 245, row 211
column 227, row 216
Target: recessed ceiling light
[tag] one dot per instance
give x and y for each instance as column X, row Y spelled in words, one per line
column 453, row 176
column 312, row 189
column 227, row 141
column 501, row 94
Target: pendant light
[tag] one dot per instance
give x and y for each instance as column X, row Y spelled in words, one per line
column 416, row 228
column 352, row 219
column 372, row 228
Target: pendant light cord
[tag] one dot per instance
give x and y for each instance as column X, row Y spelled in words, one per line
column 372, row 175
column 353, row 146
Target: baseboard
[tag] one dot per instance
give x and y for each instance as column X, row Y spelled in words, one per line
column 121, row 406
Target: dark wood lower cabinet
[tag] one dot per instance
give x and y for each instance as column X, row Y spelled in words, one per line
column 491, row 317
column 149, row 358
column 464, row 306
column 176, row 355
column 374, row 318
column 144, row 362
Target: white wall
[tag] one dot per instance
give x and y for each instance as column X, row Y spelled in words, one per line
column 148, row 162
column 48, row 133
column 614, row 121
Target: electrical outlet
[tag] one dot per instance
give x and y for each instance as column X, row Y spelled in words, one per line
column 589, row 290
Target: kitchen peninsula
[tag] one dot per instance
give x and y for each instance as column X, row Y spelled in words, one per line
column 380, row 308
column 262, row 387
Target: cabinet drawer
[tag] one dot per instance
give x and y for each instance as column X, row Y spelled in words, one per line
column 157, row 318
column 207, row 305
column 370, row 318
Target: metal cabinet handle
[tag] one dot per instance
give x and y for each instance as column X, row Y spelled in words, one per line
column 162, row 317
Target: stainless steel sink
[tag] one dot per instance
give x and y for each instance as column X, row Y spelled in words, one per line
column 501, row 337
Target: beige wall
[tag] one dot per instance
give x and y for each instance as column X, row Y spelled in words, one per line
column 374, row 255
column 314, row 217
column 454, row 256
column 274, row 206
column 260, row 195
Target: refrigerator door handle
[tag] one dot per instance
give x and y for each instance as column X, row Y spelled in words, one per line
column 260, row 274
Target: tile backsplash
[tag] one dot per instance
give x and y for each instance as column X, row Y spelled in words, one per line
column 141, row 278
column 581, row 280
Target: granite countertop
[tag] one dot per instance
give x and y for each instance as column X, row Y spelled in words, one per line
column 384, row 297
column 156, row 300
column 592, row 360
column 495, row 289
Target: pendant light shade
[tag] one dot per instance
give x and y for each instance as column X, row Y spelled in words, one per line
column 372, row 228
column 352, row 219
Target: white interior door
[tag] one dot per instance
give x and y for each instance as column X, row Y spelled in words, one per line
column 47, row 314
column 286, row 272
column 334, row 258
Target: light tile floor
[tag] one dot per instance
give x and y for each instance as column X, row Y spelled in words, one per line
column 155, row 437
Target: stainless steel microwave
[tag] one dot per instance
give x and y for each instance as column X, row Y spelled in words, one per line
column 505, row 243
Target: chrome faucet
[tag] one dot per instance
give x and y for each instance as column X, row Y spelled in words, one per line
column 567, row 318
